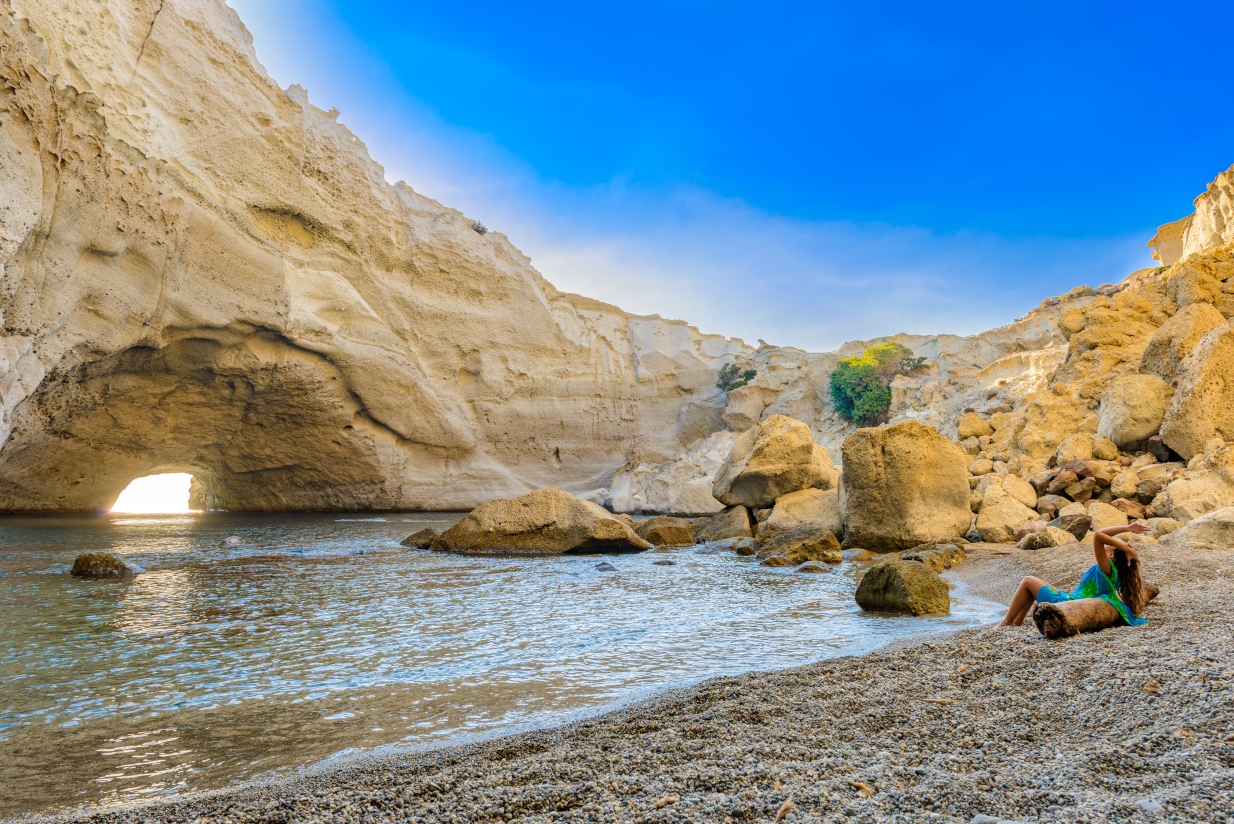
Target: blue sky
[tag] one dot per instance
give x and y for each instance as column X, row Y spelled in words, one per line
column 804, row 173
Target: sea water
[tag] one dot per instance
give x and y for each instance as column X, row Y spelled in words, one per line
column 319, row 636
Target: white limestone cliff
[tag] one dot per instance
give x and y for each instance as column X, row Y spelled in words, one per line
column 203, row 272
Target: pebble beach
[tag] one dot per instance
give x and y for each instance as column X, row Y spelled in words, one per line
column 980, row 725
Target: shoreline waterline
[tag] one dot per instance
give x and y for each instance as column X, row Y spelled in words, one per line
column 320, row 635
column 1115, row 725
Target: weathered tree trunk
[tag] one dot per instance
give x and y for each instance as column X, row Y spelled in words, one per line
column 1073, row 617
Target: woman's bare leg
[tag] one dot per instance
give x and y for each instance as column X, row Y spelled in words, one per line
column 1022, row 601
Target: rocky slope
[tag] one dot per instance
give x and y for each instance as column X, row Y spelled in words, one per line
column 203, row 272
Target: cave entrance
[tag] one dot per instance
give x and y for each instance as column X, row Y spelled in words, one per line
column 168, row 492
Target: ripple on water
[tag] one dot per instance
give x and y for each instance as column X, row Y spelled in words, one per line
column 318, row 635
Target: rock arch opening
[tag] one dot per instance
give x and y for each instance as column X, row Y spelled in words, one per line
column 162, row 493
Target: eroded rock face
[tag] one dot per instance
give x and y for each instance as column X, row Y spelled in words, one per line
column 544, row 522
column 1203, row 405
column 1175, row 339
column 205, row 273
column 902, row 486
column 774, row 458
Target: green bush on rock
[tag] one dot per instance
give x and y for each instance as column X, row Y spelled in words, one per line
column 732, row 377
column 861, row 384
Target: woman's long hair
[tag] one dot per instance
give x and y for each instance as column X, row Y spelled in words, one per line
column 1130, row 586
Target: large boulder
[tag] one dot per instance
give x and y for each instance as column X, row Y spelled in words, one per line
column 905, row 587
column 809, row 506
column 101, row 565
column 544, row 522
column 902, row 486
column 1175, row 339
column 1102, row 515
column 806, row 542
column 773, row 458
column 938, row 557
column 1001, row 515
column 1212, row 531
column 1203, row 405
column 663, row 531
column 1133, row 407
column 1188, row 498
column 734, row 522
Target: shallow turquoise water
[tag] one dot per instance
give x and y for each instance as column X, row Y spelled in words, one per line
column 320, row 635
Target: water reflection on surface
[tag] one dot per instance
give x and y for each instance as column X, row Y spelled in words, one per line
column 319, row 634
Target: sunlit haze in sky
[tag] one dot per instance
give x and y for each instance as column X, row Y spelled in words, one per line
column 156, row 493
column 805, row 173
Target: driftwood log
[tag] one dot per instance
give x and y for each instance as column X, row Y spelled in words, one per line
column 1083, row 615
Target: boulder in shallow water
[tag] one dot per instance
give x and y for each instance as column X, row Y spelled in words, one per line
column 544, row 522
column 734, row 522
column 906, row 587
column 777, row 561
column 662, row 531
column 809, row 506
column 938, row 557
column 422, row 539
column 101, row 565
column 807, row 542
column 230, row 541
column 811, row 566
column 776, row 457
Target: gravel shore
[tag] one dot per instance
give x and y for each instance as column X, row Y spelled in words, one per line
column 1130, row 724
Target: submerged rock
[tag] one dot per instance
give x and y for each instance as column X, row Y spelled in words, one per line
column 811, row 566
column 777, row 561
column 807, row 542
column 605, row 566
column 101, row 565
column 230, row 541
column 422, row 539
column 905, row 587
column 544, row 522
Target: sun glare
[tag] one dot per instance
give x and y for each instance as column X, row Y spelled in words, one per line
column 156, row 493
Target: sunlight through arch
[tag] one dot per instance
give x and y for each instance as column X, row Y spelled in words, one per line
column 156, row 493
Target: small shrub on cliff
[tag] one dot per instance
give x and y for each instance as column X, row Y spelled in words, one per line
column 861, row 385
column 731, row 377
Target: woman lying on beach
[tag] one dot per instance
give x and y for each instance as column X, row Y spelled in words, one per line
column 1115, row 578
